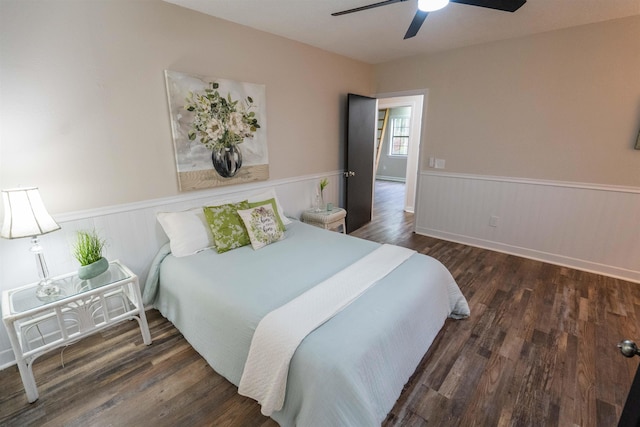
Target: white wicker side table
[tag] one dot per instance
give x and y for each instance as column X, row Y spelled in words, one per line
column 83, row 307
column 329, row 220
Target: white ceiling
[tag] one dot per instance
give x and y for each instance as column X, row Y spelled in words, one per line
column 376, row 35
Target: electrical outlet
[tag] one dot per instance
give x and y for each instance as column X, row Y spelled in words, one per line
column 493, row 221
column 432, row 162
column 439, row 163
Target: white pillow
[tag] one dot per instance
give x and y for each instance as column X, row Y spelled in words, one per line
column 188, row 231
column 270, row 194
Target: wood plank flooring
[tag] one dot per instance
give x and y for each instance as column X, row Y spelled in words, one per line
column 538, row 350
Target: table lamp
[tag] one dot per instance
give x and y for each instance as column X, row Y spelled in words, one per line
column 26, row 216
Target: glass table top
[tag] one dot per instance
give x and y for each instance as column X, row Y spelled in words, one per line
column 70, row 285
column 324, row 212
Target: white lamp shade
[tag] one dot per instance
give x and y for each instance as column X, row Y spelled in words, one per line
column 431, row 5
column 25, row 214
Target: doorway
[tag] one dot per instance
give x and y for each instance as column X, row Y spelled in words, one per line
column 361, row 148
column 399, row 147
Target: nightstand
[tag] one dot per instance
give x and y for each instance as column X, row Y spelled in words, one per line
column 83, row 307
column 329, row 220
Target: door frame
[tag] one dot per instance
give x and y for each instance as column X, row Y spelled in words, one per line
column 414, row 173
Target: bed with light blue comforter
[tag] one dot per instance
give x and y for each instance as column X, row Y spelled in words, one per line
column 349, row 371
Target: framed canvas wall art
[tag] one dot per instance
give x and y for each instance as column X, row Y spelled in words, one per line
column 219, row 130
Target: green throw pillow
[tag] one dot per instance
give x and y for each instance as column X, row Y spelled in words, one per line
column 275, row 209
column 226, row 226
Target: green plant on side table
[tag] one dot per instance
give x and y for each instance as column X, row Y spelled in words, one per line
column 323, row 183
column 88, row 251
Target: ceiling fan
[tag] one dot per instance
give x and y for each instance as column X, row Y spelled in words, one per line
column 426, row 6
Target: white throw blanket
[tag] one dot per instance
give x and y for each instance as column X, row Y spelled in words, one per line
column 281, row 331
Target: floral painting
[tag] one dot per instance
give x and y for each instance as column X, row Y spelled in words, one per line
column 219, row 130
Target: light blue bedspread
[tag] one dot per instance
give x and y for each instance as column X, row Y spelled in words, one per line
column 348, row 372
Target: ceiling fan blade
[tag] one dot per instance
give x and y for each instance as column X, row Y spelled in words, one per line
column 418, row 19
column 504, row 5
column 370, row 6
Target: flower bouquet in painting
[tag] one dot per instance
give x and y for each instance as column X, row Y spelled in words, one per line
column 219, row 130
column 221, row 124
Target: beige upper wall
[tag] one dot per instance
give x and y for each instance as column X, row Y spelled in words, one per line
column 563, row 105
column 83, row 106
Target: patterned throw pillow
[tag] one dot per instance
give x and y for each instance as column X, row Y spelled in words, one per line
column 226, row 226
column 274, row 205
column 262, row 225
column 271, row 194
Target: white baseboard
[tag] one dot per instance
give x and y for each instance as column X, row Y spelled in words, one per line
column 390, row 178
column 7, row 359
column 578, row 264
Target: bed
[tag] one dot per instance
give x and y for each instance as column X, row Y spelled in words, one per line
column 351, row 369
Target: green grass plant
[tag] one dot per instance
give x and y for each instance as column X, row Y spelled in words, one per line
column 88, row 247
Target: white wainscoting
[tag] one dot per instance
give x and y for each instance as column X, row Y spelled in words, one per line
column 134, row 236
column 589, row 227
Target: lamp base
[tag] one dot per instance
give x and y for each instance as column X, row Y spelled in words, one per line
column 47, row 291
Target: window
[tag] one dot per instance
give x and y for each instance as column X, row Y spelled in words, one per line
column 399, row 144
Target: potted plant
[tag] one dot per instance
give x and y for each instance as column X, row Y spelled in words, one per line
column 323, row 183
column 88, row 251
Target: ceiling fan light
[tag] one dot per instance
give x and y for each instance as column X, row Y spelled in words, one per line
column 431, row 5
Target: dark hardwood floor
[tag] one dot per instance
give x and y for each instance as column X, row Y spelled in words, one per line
column 538, row 350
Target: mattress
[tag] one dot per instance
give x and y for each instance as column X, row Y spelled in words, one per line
column 350, row 370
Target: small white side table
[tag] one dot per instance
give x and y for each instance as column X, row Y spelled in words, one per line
column 83, row 307
column 329, row 220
